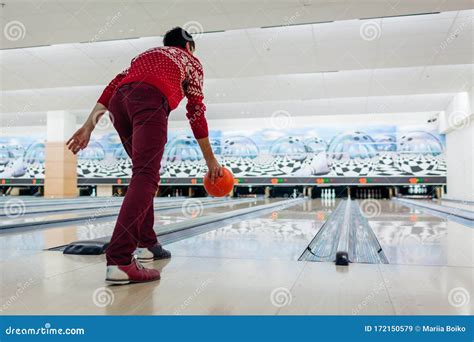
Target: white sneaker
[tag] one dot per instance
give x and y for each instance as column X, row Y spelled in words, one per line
column 157, row 252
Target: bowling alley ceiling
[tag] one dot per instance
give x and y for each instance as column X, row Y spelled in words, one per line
column 51, row 21
column 315, row 57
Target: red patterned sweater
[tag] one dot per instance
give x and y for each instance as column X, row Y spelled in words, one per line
column 176, row 73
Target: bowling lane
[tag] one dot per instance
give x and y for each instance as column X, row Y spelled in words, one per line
column 14, row 243
column 48, row 205
column 412, row 237
column 108, row 207
column 44, row 202
column 281, row 235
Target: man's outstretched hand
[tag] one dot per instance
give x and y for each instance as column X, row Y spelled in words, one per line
column 79, row 140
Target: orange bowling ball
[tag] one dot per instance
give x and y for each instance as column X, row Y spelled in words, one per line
column 222, row 185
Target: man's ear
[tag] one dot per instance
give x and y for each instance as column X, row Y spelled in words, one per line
column 189, row 47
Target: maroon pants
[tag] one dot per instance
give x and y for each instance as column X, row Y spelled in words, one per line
column 140, row 116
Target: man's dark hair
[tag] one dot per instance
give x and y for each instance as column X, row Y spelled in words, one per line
column 178, row 37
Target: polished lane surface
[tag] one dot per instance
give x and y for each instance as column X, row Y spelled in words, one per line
column 17, row 242
column 414, row 237
column 282, row 234
column 109, row 206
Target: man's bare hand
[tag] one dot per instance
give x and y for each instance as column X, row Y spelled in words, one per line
column 215, row 170
column 79, row 140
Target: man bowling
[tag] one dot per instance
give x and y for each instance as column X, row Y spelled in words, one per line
column 139, row 100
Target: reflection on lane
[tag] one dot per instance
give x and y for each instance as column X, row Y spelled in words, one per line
column 410, row 236
column 280, row 235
